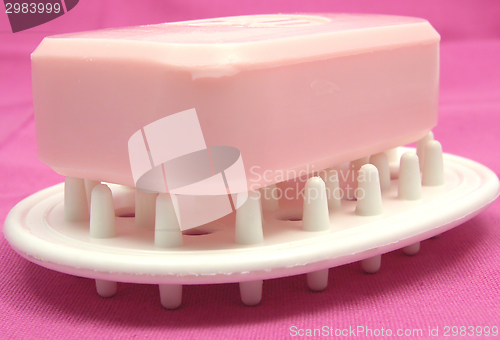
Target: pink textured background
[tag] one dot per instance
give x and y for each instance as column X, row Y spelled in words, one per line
column 454, row 280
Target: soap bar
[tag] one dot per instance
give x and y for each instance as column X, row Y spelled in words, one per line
column 293, row 93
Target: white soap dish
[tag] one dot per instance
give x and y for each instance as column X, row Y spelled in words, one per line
column 293, row 241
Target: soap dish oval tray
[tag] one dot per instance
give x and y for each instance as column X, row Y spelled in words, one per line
column 37, row 230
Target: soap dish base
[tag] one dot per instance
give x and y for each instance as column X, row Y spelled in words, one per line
column 36, row 228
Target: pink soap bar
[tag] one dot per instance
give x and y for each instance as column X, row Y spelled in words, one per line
column 293, row 93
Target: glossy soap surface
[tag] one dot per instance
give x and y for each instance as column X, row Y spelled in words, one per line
column 291, row 92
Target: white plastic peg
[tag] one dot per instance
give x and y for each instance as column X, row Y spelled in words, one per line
column 168, row 233
column 102, row 213
column 248, row 230
column 145, row 203
column 76, row 206
column 269, row 198
column 315, row 216
column 381, row 161
column 409, row 184
column 433, row 170
column 368, row 192
column 421, row 147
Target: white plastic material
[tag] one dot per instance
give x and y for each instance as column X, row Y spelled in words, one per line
column 106, row 288
column 145, row 209
column 167, row 230
column 171, row 296
column 251, row 292
column 37, row 229
column 76, row 203
column 381, row 161
column 409, row 186
column 421, row 147
column 316, row 218
column 102, row 213
column 368, row 193
column 315, row 212
column 269, row 198
column 318, row 280
column 168, row 235
column 371, row 265
column 89, row 186
column 412, row 249
column 248, row 228
column 332, row 187
column 248, row 231
column 433, row 169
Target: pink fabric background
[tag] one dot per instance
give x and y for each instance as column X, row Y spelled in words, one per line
column 454, row 280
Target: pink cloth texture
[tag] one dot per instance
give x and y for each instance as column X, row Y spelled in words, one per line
column 453, row 281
